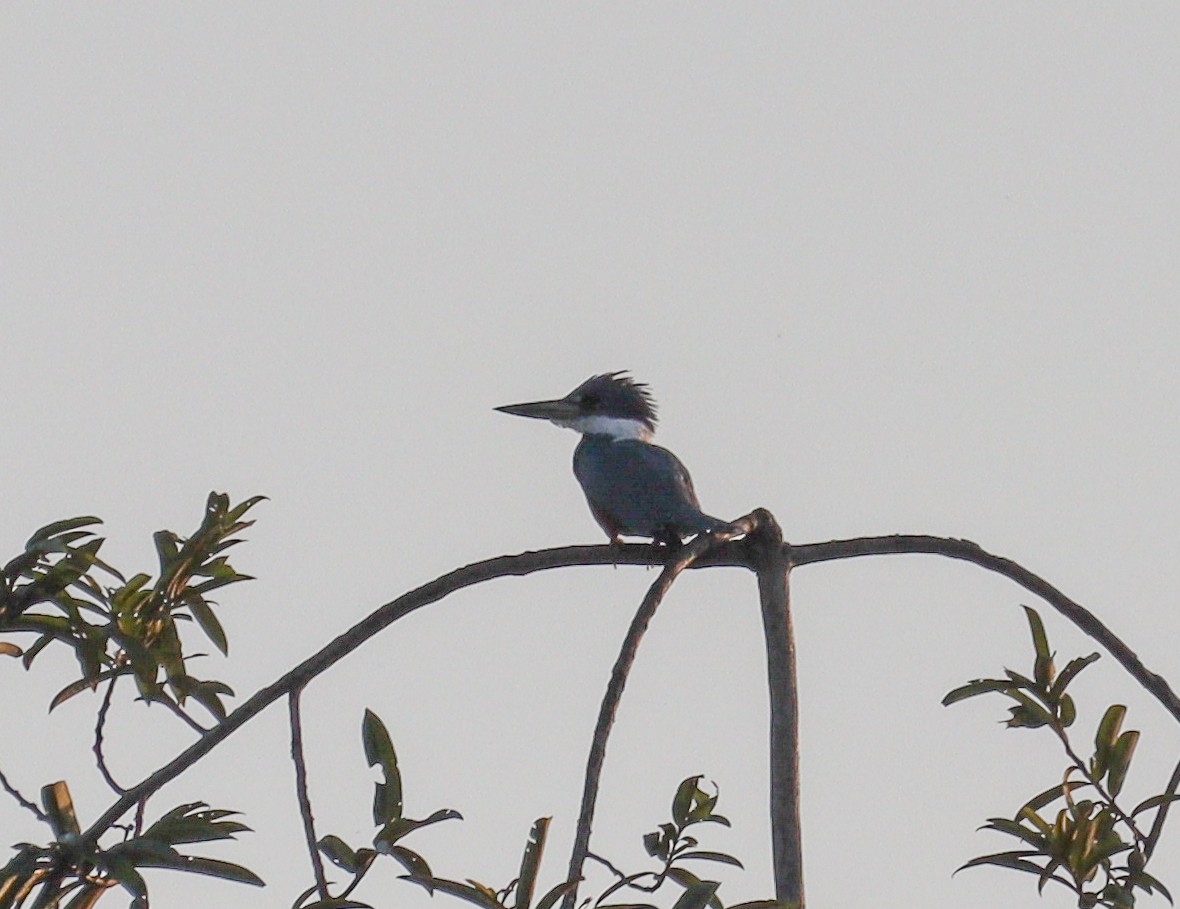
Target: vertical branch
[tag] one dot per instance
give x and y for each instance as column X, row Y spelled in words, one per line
column 773, row 567
column 317, row 864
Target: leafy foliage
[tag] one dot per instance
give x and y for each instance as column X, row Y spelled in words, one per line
column 1092, row 845
column 61, row 591
column 55, row 590
column 74, row 865
column 392, row 826
column 670, row 844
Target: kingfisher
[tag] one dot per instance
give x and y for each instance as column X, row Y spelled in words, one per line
column 634, row 488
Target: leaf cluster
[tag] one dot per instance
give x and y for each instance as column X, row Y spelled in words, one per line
column 671, row 844
column 390, row 820
column 81, row 871
column 1092, row 844
column 61, row 591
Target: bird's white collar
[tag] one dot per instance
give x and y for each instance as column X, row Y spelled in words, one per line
column 616, row 427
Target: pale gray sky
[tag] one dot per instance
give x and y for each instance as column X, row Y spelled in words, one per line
column 887, row 270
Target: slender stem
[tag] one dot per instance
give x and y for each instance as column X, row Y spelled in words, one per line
column 1161, row 814
column 183, row 714
column 21, row 800
column 317, row 864
column 614, row 693
column 99, row 726
column 786, row 831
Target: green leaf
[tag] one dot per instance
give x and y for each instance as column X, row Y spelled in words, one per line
column 212, row 867
column 688, row 880
column 338, row 852
column 976, row 687
column 81, row 685
column 1104, row 738
column 188, row 823
column 1069, row 673
column 1154, row 802
column 387, row 799
column 1120, row 761
column 526, row 882
column 1040, row 639
column 1028, row 713
column 123, row 871
column 1066, row 712
column 399, row 827
column 1018, row 861
column 1050, row 795
column 682, row 801
column 656, row 845
column 1015, row 828
column 59, row 527
column 698, row 895
column 480, row 897
column 210, row 624
column 412, row 862
column 706, row 856
column 549, row 900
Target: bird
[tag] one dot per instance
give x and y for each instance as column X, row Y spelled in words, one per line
column 634, row 487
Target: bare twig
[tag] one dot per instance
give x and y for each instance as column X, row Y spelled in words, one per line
column 1161, row 814
column 21, row 800
column 614, row 692
column 99, row 726
column 606, row 863
column 317, row 864
column 183, row 714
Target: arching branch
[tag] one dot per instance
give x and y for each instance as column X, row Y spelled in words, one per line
column 1085, row 620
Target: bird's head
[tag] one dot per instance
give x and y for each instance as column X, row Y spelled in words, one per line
column 612, row 404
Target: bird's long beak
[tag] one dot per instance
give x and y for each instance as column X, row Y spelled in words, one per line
column 543, row 410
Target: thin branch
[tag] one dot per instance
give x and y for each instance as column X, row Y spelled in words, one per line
column 614, row 692
column 21, row 800
column 183, row 714
column 317, row 864
column 384, row 616
column 1161, row 814
column 607, row 864
column 1155, row 684
column 99, row 726
column 732, row 554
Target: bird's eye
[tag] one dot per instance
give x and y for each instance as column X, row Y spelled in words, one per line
column 590, row 401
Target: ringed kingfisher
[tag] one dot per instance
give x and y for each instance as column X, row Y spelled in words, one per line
column 634, row 488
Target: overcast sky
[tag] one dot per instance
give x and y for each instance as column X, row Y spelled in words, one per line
column 905, row 270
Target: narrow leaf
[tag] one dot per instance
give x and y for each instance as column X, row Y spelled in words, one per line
column 526, row 882
column 387, row 800
column 1120, row 761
